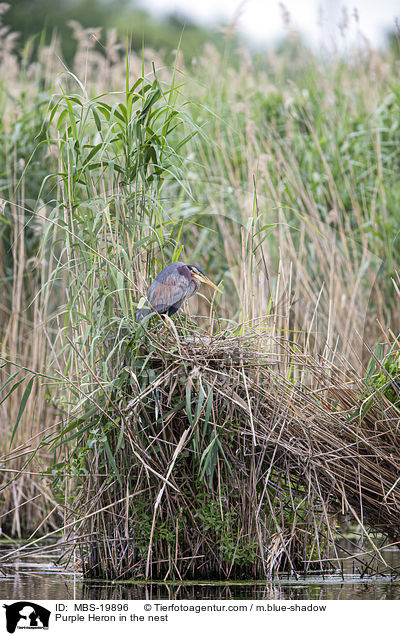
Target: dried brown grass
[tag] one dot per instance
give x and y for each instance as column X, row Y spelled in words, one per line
column 290, row 456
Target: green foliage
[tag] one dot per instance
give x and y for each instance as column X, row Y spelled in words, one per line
column 384, row 373
column 221, row 524
column 23, row 160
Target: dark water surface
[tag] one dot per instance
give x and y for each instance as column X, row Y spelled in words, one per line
column 37, row 576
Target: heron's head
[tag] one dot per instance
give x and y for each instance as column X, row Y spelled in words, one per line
column 198, row 276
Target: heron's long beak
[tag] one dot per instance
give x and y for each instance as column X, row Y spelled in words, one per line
column 206, row 280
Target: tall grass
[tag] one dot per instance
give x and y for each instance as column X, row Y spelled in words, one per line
column 319, row 155
column 223, row 442
column 24, row 349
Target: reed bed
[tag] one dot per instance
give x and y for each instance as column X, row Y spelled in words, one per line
column 225, row 443
column 228, row 468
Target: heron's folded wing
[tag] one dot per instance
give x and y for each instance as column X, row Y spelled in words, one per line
column 169, row 292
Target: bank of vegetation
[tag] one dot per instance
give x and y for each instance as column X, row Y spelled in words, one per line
column 229, row 441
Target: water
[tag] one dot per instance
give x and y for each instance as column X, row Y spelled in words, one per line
column 39, row 577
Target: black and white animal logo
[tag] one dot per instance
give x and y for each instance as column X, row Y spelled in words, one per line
column 26, row 615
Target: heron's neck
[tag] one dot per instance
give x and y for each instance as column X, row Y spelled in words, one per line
column 195, row 286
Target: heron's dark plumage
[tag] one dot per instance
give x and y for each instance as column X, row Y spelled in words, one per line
column 170, row 288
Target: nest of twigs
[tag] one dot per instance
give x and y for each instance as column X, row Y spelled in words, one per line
column 237, row 454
